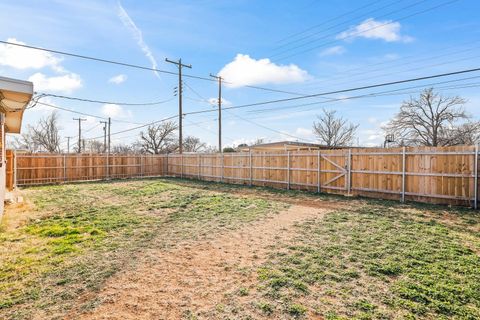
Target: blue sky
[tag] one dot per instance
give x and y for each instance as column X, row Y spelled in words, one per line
column 311, row 46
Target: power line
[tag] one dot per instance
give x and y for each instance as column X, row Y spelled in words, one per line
column 267, row 128
column 375, row 94
column 330, row 20
column 309, row 96
column 346, row 90
column 130, row 65
column 350, row 21
column 138, row 127
column 107, row 102
column 82, row 113
column 363, row 31
column 393, row 64
column 379, row 76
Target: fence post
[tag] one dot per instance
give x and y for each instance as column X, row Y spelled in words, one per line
column 181, row 165
column 141, row 165
column 167, row 172
column 108, row 165
column 199, row 166
column 288, row 170
column 475, row 204
column 64, row 168
column 14, row 169
column 349, row 173
column 403, row 173
column 251, row 167
column 318, row 171
column 223, row 166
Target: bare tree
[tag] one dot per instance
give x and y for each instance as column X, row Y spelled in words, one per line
column 95, row 146
column 193, row 144
column 465, row 134
column 428, row 120
column 42, row 137
column 126, row 148
column 334, row 131
column 159, row 138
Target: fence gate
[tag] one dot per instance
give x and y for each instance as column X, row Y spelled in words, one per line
column 341, row 169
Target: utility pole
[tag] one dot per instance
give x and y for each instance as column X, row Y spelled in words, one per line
column 219, row 111
column 109, row 140
column 180, row 112
column 79, row 133
column 68, row 144
column 105, row 123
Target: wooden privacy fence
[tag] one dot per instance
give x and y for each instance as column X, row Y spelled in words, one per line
column 437, row 175
column 32, row 169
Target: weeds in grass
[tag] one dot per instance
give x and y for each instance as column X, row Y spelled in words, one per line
column 394, row 263
column 82, row 234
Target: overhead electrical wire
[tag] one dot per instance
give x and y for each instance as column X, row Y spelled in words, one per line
column 327, row 21
column 375, row 94
column 401, row 62
column 363, row 31
column 107, row 102
column 383, row 75
column 83, row 113
column 347, row 22
column 345, row 90
column 202, row 99
column 130, row 65
column 292, row 98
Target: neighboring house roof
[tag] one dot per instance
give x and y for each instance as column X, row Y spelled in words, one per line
column 285, row 145
column 14, row 97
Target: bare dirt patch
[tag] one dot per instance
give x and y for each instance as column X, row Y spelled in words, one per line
column 196, row 279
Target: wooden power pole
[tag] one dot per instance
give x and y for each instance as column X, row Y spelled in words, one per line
column 79, row 133
column 109, row 139
column 105, row 124
column 219, row 111
column 180, row 111
column 68, row 144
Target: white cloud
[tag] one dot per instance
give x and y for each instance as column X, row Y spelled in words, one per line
column 371, row 29
column 137, row 35
column 115, row 111
column 304, row 133
column 64, row 83
column 24, row 58
column 244, row 70
column 332, row 51
column 372, row 120
column 118, row 79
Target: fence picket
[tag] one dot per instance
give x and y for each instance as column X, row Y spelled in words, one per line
column 438, row 175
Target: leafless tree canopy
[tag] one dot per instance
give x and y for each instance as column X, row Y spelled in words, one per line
column 159, row 138
column 334, row 131
column 95, row 146
column 465, row 134
column 193, row 144
column 433, row 120
column 42, row 137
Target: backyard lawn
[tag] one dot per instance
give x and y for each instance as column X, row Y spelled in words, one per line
column 177, row 249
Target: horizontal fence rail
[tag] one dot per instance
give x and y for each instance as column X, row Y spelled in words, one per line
column 446, row 175
column 32, row 169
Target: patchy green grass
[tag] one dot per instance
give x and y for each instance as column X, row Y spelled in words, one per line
column 379, row 262
column 370, row 259
column 77, row 236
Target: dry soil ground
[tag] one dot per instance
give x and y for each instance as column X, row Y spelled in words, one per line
column 172, row 249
